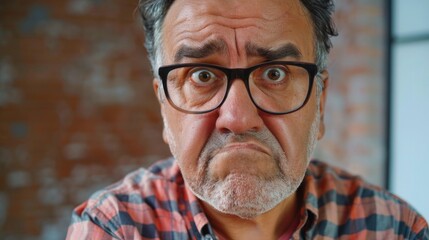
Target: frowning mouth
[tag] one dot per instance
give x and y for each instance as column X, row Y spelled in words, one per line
column 243, row 146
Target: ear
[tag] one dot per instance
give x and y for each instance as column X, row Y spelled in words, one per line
column 155, row 84
column 164, row 135
column 325, row 80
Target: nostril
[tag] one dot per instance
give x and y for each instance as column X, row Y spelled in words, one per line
column 225, row 131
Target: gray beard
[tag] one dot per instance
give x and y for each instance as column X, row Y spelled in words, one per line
column 245, row 195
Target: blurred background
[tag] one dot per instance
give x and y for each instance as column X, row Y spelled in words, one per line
column 77, row 109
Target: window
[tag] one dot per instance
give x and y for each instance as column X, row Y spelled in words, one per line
column 409, row 142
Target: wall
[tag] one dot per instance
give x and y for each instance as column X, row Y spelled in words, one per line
column 356, row 99
column 77, row 110
column 410, row 108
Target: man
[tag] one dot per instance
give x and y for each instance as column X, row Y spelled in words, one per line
column 242, row 88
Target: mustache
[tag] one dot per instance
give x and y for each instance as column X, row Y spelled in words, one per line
column 219, row 140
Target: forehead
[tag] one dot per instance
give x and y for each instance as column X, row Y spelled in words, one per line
column 268, row 23
column 267, row 9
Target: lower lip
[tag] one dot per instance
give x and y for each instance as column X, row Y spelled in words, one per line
column 241, row 159
column 242, row 147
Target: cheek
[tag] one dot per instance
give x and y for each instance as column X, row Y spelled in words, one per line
column 293, row 132
column 187, row 135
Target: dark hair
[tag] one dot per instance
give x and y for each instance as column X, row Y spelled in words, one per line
column 324, row 28
column 153, row 13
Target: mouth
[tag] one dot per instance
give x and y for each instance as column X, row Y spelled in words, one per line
column 243, row 146
column 243, row 158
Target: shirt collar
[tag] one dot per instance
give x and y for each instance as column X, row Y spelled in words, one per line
column 310, row 210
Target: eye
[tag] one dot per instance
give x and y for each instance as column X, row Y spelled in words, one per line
column 274, row 74
column 203, row 76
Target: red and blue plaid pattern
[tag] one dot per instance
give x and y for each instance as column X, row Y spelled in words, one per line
column 156, row 204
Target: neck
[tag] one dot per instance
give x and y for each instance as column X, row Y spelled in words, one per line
column 270, row 225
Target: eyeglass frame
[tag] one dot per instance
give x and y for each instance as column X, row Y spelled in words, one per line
column 238, row 73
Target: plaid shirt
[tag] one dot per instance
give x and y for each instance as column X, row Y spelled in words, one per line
column 156, row 204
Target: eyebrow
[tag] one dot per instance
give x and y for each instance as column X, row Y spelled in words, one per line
column 270, row 54
column 220, row 46
column 209, row 48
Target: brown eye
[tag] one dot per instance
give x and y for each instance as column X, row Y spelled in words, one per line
column 274, row 74
column 203, row 76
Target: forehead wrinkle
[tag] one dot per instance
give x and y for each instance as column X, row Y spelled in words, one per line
column 199, row 42
column 198, row 18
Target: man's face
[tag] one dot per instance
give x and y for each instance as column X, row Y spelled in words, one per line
column 238, row 159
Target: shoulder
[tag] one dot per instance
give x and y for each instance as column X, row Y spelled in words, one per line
column 350, row 204
column 137, row 201
column 142, row 182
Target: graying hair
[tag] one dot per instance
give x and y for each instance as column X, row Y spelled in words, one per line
column 153, row 13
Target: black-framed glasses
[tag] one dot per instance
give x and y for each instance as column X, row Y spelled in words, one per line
column 277, row 87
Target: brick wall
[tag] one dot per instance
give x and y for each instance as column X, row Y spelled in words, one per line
column 77, row 109
column 355, row 113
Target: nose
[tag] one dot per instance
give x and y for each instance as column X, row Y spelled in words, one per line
column 238, row 114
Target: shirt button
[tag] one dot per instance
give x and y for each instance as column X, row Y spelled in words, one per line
column 208, row 237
